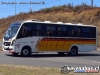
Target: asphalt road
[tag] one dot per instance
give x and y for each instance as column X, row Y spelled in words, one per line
column 53, row 59
column 0, row 43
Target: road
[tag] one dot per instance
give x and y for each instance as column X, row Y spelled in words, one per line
column 53, row 59
column 0, row 43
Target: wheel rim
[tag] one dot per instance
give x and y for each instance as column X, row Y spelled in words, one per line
column 25, row 52
column 73, row 51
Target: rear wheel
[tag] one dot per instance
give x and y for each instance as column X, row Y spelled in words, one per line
column 73, row 51
column 26, row 52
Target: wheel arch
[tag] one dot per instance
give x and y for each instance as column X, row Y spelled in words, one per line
column 74, row 46
column 26, row 47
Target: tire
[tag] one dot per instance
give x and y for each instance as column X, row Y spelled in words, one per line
column 25, row 52
column 15, row 54
column 73, row 51
column 61, row 53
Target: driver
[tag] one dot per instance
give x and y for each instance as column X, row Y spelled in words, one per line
column 24, row 31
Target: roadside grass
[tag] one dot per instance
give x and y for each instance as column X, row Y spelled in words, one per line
column 29, row 70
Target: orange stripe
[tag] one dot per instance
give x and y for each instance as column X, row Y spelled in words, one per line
column 71, row 40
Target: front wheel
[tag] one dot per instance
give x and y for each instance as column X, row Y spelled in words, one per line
column 73, row 52
column 25, row 52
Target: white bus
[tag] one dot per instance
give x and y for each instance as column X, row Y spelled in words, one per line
column 34, row 36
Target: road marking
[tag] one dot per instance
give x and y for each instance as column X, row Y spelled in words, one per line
column 99, row 62
column 94, row 61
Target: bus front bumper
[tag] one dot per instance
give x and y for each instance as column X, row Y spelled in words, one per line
column 8, row 49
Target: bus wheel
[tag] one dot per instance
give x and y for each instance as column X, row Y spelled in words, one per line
column 15, row 54
column 61, row 53
column 73, row 51
column 25, row 52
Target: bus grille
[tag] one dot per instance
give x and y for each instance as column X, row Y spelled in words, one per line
column 6, row 43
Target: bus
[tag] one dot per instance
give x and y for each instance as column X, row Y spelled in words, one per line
column 33, row 36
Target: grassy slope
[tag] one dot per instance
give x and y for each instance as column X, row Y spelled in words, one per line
column 85, row 16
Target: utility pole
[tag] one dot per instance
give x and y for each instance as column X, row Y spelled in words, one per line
column 15, row 10
column 72, row 4
column 92, row 3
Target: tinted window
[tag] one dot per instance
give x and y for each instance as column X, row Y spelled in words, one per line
column 86, row 32
column 38, row 26
column 28, row 29
column 51, row 30
column 72, row 31
column 93, row 32
column 51, row 27
column 25, row 31
column 37, row 29
column 64, row 31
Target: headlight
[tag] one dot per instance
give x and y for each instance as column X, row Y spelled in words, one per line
column 13, row 42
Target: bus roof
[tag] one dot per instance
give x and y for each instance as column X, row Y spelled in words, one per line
column 58, row 23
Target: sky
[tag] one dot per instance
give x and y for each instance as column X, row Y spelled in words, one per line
column 12, row 7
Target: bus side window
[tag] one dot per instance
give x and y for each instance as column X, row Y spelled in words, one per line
column 29, row 31
column 50, row 33
column 83, row 31
column 37, row 33
column 79, row 32
column 93, row 32
column 43, row 31
column 23, row 31
column 86, row 32
column 50, row 30
column 72, row 33
column 59, row 31
column 66, row 31
column 62, row 31
column 37, row 29
column 76, row 31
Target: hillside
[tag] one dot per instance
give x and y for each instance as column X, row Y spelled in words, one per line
column 85, row 15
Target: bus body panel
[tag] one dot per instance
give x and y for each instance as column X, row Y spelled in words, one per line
column 30, row 41
column 40, row 44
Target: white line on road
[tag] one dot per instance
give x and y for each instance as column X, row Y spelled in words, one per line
column 96, row 62
column 99, row 62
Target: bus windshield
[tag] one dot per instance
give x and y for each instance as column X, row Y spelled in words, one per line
column 11, row 32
